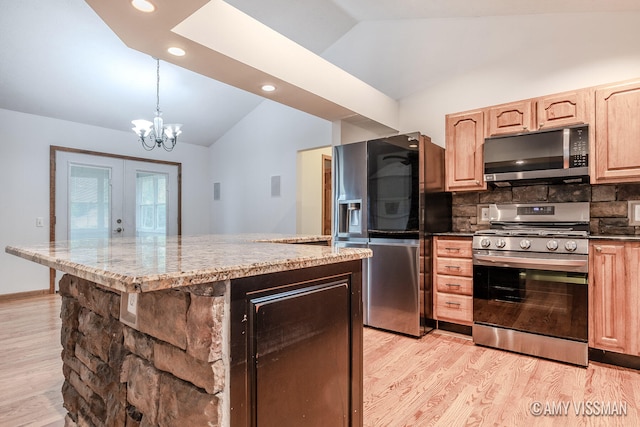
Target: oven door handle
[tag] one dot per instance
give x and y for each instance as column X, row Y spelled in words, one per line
column 572, row 265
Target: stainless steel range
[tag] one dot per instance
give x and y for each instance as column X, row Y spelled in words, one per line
column 530, row 280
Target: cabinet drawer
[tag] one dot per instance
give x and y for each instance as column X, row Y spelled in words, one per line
column 454, row 308
column 454, row 284
column 453, row 248
column 454, row 267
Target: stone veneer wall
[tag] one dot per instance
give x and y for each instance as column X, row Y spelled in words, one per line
column 169, row 372
column 608, row 209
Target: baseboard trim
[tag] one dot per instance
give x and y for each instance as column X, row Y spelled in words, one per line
column 613, row 358
column 454, row 327
column 23, row 295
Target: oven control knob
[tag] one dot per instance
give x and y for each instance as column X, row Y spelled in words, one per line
column 485, row 243
column 571, row 246
column 552, row 245
column 525, row 243
column 500, row 243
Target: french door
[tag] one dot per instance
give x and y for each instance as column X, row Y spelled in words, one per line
column 109, row 197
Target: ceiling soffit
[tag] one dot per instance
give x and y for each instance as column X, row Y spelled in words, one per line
column 229, row 46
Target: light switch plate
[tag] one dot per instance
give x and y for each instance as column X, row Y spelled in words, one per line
column 483, row 214
column 634, row 212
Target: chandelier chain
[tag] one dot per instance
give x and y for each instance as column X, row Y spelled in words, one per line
column 158, row 85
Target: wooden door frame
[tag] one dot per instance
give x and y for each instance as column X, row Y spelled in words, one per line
column 53, row 150
column 324, row 198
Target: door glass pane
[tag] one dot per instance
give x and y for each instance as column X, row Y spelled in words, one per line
column 151, row 204
column 89, row 199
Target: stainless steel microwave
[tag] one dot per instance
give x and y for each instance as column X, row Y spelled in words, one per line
column 549, row 155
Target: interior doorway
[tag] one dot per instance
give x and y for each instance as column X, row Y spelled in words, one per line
column 313, row 198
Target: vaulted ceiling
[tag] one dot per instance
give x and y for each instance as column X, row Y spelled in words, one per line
column 59, row 59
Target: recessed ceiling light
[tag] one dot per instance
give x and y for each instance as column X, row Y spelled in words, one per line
column 413, row 145
column 176, row 51
column 143, row 5
column 268, row 88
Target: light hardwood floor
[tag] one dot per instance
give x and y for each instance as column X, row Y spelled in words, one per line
column 445, row 380
column 439, row 380
column 30, row 364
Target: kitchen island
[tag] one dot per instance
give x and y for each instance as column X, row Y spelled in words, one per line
column 209, row 330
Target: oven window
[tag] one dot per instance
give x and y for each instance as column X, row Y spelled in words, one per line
column 550, row 303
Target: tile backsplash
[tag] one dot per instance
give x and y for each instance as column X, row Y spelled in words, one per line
column 608, row 210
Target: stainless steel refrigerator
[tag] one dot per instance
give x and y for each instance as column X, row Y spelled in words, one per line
column 389, row 195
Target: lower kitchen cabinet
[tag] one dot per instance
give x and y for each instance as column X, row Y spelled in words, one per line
column 614, row 300
column 296, row 347
column 453, row 280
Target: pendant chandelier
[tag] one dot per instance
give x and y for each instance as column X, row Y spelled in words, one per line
column 156, row 133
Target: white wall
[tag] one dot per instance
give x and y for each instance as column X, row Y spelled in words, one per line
column 264, row 144
column 554, row 54
column 24, row 179
column 309, row 190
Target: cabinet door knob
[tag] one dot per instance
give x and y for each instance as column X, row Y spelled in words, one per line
column 598, row 249
column 541, row 124
column 477, row 182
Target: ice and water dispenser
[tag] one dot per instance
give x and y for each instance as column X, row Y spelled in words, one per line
column 349, row 217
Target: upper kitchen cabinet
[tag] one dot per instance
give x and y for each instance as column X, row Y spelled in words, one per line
column 464, row 165
column 563, row 109
column 515, row 117
column 617, row 132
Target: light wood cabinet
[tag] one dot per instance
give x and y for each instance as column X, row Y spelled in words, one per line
column 514, row 117
column 431, row 177
column 611, row 111
column 617, row 132
column 564, row 109
column 613, row 296
column 464, row 158
column 632, row 257
column 453, row 280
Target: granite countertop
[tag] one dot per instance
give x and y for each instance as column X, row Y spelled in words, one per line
column 626, row 237
column 453, row 233
column 146, row 264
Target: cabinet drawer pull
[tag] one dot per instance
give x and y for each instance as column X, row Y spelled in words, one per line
column 453, row 249
column 455, row 267
column 449, row 303
column 453, row 285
